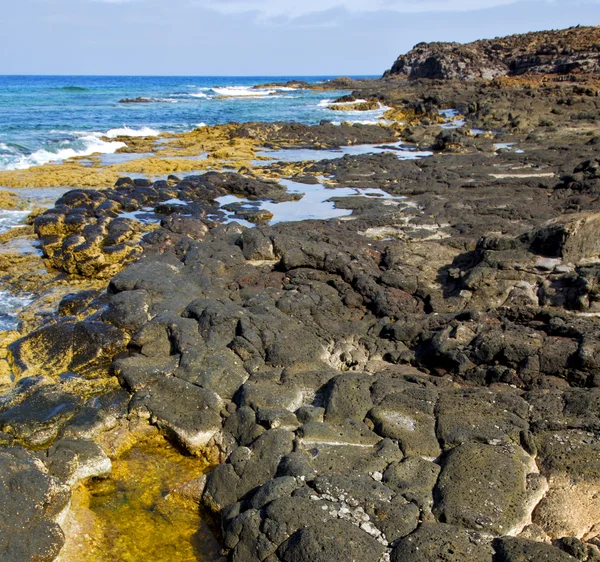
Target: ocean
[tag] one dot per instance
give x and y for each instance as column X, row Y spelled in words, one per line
column 50, row 118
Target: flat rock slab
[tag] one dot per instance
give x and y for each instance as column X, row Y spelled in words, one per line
column 486, row 488
column 480, row 415
column 572, row 238
column 189, row 413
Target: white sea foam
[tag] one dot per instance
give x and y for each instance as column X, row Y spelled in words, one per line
column 10, row 219
column 362, row 122
column 90, row 144
column 10, row 305
column 243, row 92
column 129, row 132
column 84, row 144
column 325, row 103
column 369, row 117
column 199, row 95
column 343, row 103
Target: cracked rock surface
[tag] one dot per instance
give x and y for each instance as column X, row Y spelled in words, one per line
column 416, row 381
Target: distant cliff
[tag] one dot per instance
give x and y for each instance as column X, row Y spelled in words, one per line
column 573, row 50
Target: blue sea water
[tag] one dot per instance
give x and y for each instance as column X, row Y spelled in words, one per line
column 48, row 118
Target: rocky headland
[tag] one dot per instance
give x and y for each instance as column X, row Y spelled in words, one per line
column 575, row 50
column 416, row 380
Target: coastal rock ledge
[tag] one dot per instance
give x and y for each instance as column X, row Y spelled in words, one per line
column 574, row 50
column 415, row 381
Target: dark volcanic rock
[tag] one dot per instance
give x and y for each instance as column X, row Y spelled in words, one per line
column 31, row 500
column 335, row 540
column 415, row 381
column 38, row 419
column 510, row 549
column 444, row 543
column 545, row 52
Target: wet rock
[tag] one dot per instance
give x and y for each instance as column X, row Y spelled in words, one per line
column 325, row 135
column 38, row 419
column 67, row 345
column 73, row 461
column 50, row 348
column 75, row 303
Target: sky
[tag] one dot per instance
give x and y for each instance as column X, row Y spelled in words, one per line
column 255, row 37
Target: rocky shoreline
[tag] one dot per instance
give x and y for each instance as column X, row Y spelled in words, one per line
column 416, row 380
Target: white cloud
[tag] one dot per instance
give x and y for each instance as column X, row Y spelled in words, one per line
column 290, row 9
column 296, row 8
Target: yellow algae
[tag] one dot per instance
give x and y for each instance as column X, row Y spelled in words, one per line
column 409, row 117
column 284, row 170
column 136, row 145
column 67, row 173
column 355, row 106
column 209, row 140
column 134, row 516
column 9, row 200
column 219, row 143
column 154, row 166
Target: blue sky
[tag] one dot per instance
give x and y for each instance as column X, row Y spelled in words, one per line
column 255, row 37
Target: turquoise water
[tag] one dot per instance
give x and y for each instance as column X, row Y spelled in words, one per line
column 47, row 118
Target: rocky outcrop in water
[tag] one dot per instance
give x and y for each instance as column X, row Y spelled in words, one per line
column 573, row 50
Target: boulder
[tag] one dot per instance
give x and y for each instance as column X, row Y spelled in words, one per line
column 443, row 543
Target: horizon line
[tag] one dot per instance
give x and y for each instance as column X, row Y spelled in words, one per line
column 326, row 75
